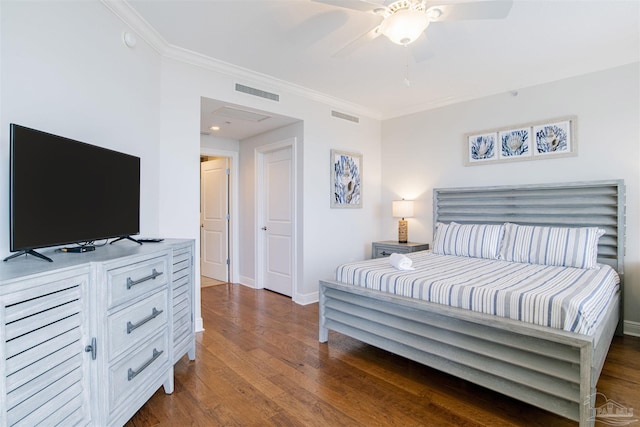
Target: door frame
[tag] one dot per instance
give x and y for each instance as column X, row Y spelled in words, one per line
column 260, row 153
column 234, row 230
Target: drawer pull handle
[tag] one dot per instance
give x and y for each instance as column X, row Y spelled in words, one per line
column 154, row 313
column 132, row 374
column 152, row 276
column 385, row 253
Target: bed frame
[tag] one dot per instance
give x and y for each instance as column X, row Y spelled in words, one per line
column 548, row 368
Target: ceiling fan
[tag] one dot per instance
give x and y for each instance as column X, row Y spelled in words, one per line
column 403, row 21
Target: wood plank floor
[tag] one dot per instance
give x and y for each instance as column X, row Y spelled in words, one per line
column 259, row 363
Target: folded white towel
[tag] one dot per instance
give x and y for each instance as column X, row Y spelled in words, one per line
column 401, row 262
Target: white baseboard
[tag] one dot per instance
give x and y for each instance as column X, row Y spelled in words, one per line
column 306, row 299
column 199, row 325
column 631, row 328
column 248, row 281
column 302, row 299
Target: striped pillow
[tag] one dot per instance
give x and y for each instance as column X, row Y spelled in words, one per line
column 470, row 240
column 560, row 246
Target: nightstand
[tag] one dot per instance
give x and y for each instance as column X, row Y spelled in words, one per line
column 387, row 247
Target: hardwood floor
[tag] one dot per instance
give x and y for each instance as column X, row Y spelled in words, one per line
column 205, row 282
column 259, row 363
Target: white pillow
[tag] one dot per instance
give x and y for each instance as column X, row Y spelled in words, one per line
column 561, row 246
column 471, row 240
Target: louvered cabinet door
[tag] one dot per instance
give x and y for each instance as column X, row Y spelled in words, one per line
column 45, row 369
column 182, row 296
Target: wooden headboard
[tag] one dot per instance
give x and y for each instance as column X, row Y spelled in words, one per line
column 579, row 204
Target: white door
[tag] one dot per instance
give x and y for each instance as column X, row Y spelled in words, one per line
column 214, row 208
column 277, row 220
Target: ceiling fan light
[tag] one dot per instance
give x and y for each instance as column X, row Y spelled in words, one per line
column 404, row 26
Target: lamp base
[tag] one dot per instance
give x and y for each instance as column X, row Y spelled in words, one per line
column 403, row 231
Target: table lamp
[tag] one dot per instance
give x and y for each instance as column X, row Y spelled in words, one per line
column 402, row 209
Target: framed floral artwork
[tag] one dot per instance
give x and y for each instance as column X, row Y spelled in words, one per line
column 346, row 179
column 515, row 143
column 530, row 141
column 482, row 147
column 552, row 138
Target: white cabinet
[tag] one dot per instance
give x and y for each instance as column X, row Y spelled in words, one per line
column 183, row 309
column 45, row 370
column 89, row 338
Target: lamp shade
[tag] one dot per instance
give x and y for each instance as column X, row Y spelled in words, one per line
column 404, row 26
column 402, row 208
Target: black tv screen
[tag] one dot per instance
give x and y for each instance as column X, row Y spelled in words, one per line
column 64, row 191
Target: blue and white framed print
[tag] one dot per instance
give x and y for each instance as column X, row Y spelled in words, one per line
column 346, row 179
column 515, row 143
column 529, row 141
column 482, row 147
column 552, row 138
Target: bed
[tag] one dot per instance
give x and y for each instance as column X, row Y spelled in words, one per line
column 549, row 367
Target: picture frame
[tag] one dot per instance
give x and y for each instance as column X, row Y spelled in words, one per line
column 482, row 147
column 346, row 179
column 552, row 139
column 515, row 143
column 529, row 141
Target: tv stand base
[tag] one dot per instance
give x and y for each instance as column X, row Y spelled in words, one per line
column 28, row 252
column 127, row 238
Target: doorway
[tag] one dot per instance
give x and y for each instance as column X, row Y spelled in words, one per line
column 214, row 218
column 231, row 253
column 234, row 131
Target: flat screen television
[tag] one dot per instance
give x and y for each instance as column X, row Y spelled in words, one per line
column 64, row 191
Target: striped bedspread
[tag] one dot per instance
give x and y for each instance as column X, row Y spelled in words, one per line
column 566, row 298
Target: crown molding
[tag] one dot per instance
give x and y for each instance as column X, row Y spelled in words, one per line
column 436, row 103
column 272, row 83
column 127, row 14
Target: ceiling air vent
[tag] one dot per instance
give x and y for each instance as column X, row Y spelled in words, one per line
column 344, row 116
column 257, row 92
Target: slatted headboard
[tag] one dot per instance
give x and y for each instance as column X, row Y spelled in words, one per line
column 580, row 204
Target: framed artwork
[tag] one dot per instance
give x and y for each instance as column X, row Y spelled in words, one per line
column 515, row 143
column 552, row 138
column 529, row 141
column 346, row 179
column 482, row 147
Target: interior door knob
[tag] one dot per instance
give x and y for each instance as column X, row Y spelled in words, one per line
column 264, row 228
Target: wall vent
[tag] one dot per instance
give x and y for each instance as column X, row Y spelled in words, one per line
column 344, row 116
column 257, row 92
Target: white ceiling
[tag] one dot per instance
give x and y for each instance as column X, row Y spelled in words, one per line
column 236, row 121
column 293, row 40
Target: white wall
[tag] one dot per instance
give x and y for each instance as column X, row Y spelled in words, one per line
column 426, row 150
column 216, row 143
column 329, row 236
column 65, row 70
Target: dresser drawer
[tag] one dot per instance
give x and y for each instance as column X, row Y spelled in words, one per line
column 386, row 248
column 137, row 368
column 385, row 251
column 130, row 326
column 126, row 283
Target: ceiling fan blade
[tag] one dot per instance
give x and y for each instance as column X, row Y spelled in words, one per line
column 357, row 43
column 361, row 5
column 492, row 9
column 315, row 28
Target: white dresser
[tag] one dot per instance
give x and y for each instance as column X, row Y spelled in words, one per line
column 88, row 339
